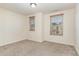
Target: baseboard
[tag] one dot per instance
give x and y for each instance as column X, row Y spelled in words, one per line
column 11, row 42
column 60, row 42
column 36, row 40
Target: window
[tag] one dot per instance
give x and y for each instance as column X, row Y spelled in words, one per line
column 32, row 23
column 56, row 24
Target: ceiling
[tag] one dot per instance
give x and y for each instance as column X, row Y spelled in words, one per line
column 25, row 8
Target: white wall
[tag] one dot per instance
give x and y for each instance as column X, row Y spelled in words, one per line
column 15, row 27
column 77, row 28
column 12, row 27
column 36, row 35
column 68, row 28
column 42, row 28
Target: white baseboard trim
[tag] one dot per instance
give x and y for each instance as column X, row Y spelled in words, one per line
column 11, row 42
column 61, row 43
column 36, row 40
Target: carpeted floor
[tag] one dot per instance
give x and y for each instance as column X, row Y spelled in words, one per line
column 31, row 48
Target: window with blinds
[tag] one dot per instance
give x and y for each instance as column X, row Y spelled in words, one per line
column 32, row 23
column 56, row 24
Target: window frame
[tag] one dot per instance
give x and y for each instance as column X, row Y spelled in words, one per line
column 61, row 14
column 32, row 23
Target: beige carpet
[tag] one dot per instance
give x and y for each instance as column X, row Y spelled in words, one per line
column 31, row 48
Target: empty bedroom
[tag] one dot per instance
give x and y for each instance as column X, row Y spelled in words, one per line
column 39, row 29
